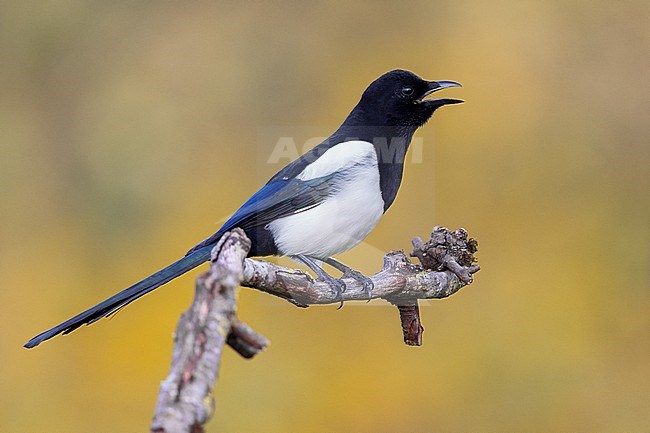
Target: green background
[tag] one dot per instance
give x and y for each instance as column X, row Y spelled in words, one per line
column 129, row 130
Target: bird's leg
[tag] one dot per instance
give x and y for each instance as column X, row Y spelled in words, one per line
column 337, row 286
column 357, row 276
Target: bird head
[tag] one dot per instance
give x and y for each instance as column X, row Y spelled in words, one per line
column 399, row 98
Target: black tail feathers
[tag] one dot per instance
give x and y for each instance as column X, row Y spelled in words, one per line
column 126, row 296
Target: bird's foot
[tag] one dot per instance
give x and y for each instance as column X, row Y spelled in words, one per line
column 365, row 282
column 337, row 286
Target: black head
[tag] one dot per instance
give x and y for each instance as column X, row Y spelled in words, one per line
column 397, row 98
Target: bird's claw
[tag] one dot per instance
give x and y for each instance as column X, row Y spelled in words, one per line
column 337, row 286
column 365, row 282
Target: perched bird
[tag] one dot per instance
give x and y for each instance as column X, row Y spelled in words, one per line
column 321, row 204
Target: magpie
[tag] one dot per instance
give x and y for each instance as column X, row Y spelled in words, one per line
column 321, row 204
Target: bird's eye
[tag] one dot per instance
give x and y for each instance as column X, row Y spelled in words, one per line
column 407, row 90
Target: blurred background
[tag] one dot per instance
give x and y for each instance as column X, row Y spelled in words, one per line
column 129, row 130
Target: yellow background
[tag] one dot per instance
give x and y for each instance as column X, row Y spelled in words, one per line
column 129, row 130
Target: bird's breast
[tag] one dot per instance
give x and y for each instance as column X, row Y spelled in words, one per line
column 346, row 216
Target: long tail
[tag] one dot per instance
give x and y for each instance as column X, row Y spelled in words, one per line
column 126, row 296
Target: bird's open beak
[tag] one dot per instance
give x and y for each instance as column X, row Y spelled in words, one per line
column 434, row 86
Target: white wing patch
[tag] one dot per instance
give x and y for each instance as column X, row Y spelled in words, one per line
column 339, row 158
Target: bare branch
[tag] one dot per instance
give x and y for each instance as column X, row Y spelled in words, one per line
column 400, row 282
column 411, row 324
column 244, row 340
column 447, row 264
column 184, row 402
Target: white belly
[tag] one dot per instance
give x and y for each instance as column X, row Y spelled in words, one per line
column 343, row 220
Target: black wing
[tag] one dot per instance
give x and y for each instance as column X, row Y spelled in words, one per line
column 278, row 198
